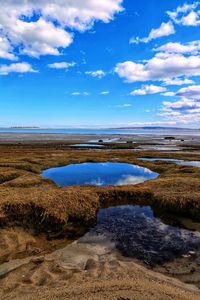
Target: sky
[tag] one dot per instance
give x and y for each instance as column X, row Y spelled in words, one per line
column 91, row 63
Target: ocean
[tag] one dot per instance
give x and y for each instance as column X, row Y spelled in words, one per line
column 136, row 131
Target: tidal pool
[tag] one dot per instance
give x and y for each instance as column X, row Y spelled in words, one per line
column 160, row 148
column 109, row 140
column 106, row 140
column 135, row 232
column 99, row 174
column 87, row 145
column 180, row 162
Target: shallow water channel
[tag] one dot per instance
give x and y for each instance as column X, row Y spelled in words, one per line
column 87, row 145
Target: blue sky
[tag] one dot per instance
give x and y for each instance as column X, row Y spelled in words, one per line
column 100, row 63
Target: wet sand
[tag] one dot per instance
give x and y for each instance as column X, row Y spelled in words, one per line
column 143, row 138
column 83, row 270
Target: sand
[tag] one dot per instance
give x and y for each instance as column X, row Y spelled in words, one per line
column 85, row 270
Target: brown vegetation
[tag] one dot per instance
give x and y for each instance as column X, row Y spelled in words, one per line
column 28, row 200
column 36, row 204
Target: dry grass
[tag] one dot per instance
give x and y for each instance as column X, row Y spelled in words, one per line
column 28, row 200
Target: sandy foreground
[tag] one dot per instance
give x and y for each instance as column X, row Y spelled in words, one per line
column 86, row 270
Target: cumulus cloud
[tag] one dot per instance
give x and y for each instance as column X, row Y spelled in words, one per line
column 183, row 111
column 16, row 68
column 62, row 65
column 36, row 38
column 159, row 68
column 168, row 94
column 148, row 90
column 192, row 19
column 49, row 31
column 189, row 92
column 99, row 73
column 186, row 15
column 187, row 108
column 188, row 48
column 6, row 49
column 165, row 29
column 183, row 104
column 178, row 81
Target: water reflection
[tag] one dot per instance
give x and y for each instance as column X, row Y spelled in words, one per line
column 106, row 140
column 135, row 232
column 109, row 140
column 99, row 174
column 190, row 163
column 87, row 145
column 159, row 148
column 177, row 161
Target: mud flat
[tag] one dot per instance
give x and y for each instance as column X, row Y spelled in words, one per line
column 41, row 224
column 161, row 138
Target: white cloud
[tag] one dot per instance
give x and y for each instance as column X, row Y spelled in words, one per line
column 158, row 123
column 16, row 68
column 189, row 92
column 186, row 15
column 62, row 65
column 148, row 90
column 192, row 19
column 184, row 104
column 99, row 73
column 168, row 94
column 182, row 111
column 86, row 94
column 76, row 94
column 124, row 105
column 159, row 68
column 185, row 8
column 186, row 109
column 188, row 48
column 165, row 29
column 105, row 93
column 6, row 49
column 37, row 38
column 178, row 81
column 80, row 94
column 48, row 33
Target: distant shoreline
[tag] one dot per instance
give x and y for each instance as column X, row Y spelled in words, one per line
column 100, row 128
column 49, row 133
column 21, row 127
